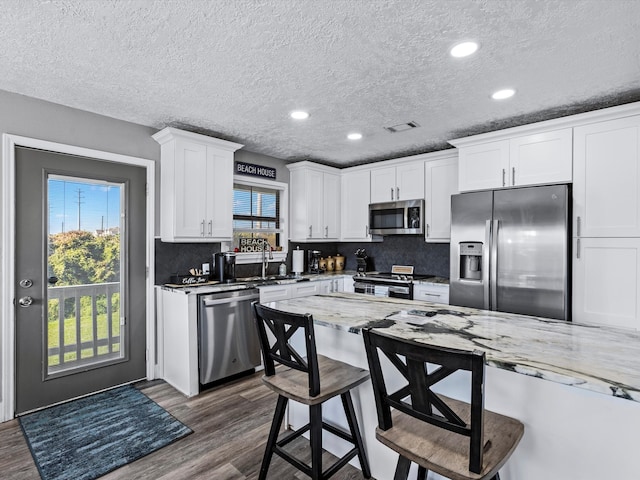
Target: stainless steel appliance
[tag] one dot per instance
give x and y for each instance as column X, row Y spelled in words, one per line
column 225, row 267
column 395, row 218
column 227, row 336
column 510, row 251
column 313, row 261
column 398, row 283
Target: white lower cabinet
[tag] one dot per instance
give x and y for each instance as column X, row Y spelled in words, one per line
column 431, row 292
column 606, row 281
column 273, row 293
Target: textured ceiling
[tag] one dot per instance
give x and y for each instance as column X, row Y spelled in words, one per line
column 235, row 68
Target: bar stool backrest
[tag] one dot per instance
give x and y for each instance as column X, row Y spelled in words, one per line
column 410, row 359
column 283, row 325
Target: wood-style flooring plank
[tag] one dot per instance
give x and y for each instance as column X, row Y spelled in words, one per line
column 230, row 425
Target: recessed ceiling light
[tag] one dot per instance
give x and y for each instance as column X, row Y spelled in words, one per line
column 463, row 49
column 502, row 94
column 354, row 136
column 299, row 115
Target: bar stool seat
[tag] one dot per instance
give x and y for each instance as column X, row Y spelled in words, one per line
column 442, row 451
column 310, row 379
column 337, row 378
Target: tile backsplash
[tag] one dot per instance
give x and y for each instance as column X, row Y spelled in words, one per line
column 427, row 258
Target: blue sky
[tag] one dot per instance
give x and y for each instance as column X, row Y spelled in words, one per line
column 99, row 205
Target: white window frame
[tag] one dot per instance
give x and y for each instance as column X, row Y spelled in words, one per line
column 244, row 258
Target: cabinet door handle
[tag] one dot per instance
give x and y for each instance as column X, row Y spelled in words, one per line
column 310, row 231
column 326, row 232
column 513, row 176
column 391, row 193
column 366, row 230
column 578, row 248
column 503, row 177
column 210, row 227
column 397, row 193
column 578, row 226
column 202, row 228
column 427, row 227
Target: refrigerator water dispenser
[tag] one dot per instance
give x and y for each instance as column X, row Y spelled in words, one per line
column 470, row 260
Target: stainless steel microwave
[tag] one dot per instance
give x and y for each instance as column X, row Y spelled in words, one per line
column 396, row 218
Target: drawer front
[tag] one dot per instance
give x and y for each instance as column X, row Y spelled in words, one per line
column 434, row 294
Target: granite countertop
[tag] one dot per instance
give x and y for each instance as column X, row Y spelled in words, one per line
column 215, row 287
column 600, row 359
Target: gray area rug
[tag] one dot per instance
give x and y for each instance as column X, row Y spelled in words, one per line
column 87, row 438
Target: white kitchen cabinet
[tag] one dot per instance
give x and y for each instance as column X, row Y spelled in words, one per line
column 606, row 189
column 314, row 203
column 305, row 289
column 431, row 292
column 273, row 293
column 356, row 195
column 606, row 281
column 399, row 182
column 196, row 187
column 441, row 181
column 332, row 286
column 535, row 159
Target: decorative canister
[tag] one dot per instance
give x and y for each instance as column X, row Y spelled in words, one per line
column 339, row 262
column 322, row 264
column 331, row 264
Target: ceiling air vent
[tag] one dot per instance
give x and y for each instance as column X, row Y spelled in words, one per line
column 402, row 127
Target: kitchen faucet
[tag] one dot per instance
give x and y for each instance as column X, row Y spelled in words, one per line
column 265, row 259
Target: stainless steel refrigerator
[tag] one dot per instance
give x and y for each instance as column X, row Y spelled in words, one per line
column 510, row 251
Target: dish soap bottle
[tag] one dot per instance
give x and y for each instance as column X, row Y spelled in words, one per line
column 282, row 269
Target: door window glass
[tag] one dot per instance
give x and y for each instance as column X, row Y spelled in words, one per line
column 85, row 233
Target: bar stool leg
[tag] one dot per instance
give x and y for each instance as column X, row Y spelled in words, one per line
column 422, row 473
column 402, row 469
column 352, row 420
column 278, row 416
column 315, row 437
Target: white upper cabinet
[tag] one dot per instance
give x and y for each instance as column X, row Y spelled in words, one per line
column 483, row 166
column 356, row 195
column 536, row 159
column 314, row 203
column 196, row 187
column 400, row 182
column 606, row 190
column 441, row 181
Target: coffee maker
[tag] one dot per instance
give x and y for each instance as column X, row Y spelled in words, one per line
column 313, row 261
column 225, row 267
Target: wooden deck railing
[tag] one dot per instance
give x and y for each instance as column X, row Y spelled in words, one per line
column 92, row 313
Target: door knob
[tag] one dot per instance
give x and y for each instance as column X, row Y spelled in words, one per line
column 25, row 301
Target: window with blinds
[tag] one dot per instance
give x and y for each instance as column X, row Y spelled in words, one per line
column 256, row 215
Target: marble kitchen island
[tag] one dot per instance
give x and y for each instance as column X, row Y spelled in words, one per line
column 575, row 387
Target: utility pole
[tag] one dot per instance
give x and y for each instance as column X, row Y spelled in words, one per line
column 80, row 202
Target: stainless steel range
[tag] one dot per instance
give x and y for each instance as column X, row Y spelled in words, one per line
column 398, row 283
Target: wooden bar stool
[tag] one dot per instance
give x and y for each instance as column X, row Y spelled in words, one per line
column 311, row 381
column 435, row 442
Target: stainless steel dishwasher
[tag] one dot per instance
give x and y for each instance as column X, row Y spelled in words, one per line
column 227, row 336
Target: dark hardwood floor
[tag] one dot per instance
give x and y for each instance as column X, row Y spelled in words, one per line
column 230, row 426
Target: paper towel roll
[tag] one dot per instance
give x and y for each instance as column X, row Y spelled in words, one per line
column 298, row 261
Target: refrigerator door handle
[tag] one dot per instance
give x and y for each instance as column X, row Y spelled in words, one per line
column 493, row 275
column 485, row 264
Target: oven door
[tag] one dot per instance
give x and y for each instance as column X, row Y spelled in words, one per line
column 401, row 291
